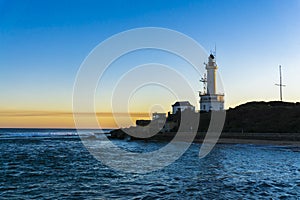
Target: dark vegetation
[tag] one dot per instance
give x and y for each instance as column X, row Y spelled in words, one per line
column 264, row 117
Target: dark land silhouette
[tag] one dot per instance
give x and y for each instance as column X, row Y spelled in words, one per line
column 275, row 120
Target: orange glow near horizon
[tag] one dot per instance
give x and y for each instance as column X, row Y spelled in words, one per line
column 40, row 119
column 61, row 119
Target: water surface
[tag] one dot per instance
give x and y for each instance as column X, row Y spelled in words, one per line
column 54, row 164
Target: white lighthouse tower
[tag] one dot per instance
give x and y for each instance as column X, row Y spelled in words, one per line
column 210, row 99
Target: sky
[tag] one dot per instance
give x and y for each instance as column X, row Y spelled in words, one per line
column 43, row 44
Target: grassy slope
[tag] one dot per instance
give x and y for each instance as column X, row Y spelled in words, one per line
column 264, row 117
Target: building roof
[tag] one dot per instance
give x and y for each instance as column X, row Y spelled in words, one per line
column 182, row 103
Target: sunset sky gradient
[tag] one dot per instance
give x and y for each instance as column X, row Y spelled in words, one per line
column 43, row 43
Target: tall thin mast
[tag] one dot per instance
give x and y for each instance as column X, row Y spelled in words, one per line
column 280, row 84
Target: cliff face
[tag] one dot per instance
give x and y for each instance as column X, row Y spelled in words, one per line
column 264, row 117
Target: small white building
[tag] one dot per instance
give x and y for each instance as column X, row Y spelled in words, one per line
column 210, row 99
column 156, row 116
column 158, row 121
column 181, row 106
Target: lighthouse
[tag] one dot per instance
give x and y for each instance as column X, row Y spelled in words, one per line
column 210, row 99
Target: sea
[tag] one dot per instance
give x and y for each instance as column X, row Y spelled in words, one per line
column 55, row 164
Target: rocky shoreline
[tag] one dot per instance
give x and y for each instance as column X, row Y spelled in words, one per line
column 225, row 137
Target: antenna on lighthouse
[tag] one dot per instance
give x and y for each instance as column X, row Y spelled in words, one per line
column 215, row 50
column 280, row 84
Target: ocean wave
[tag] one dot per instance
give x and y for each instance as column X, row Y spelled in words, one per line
column 29, row 133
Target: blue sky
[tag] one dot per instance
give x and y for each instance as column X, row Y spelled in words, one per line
column 43, row 43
